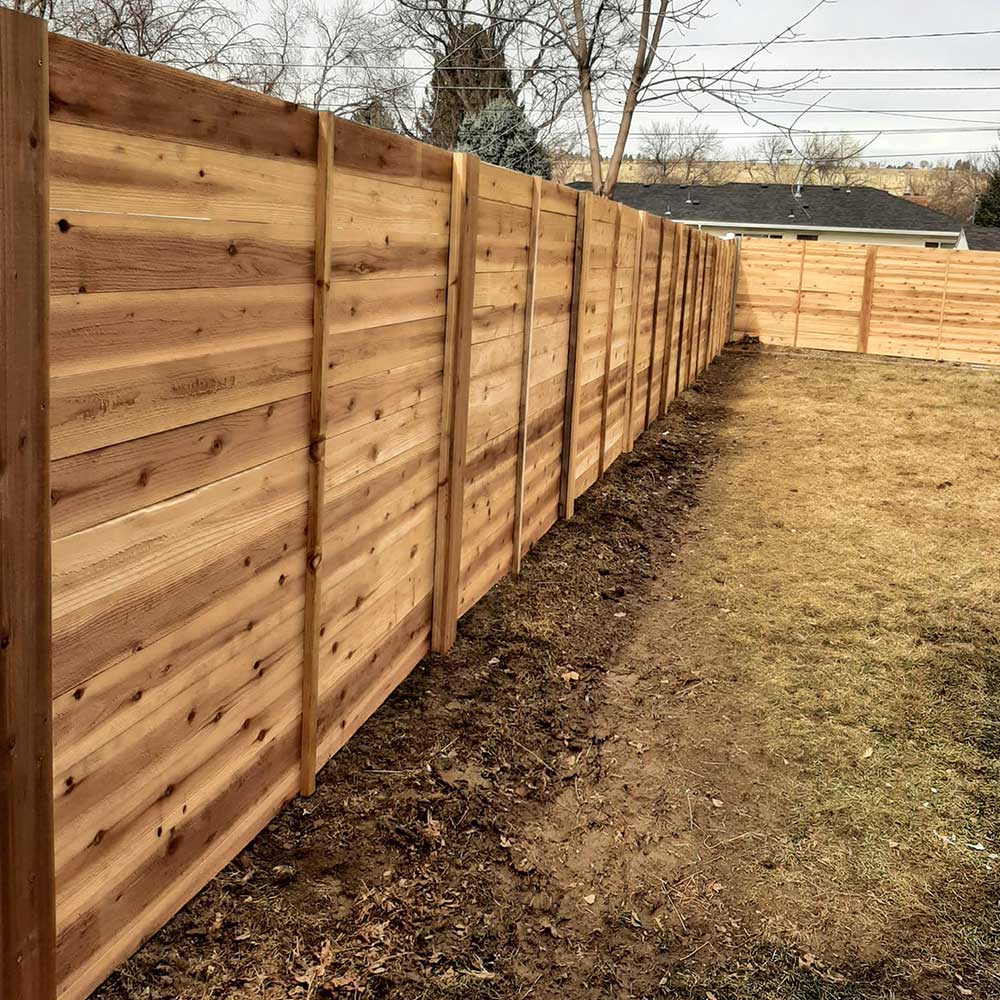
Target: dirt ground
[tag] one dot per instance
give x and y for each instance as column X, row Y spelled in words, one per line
column 733, row 734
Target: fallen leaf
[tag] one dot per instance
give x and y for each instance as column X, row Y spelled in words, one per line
column 569, row 677
column 718, row 803
column 590, row 900
column 868, row 752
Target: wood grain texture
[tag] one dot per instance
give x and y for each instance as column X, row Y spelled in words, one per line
column 925, row 303
column 671, row 346
column 527, row 349
column 655, row 374
column 231, row 603
column 634, row 325
column 27, row 876
column 98, row 87
column 865, row 314
column 131, row 364
column 455, row 399
column 609, row 338
column 571, row 420
column 325, row 223
column 681, row 309
column 100, row 485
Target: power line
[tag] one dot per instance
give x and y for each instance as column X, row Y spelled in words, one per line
column 914, row 112
column 693, row 73
column 795, row 41
column 800, row 131
column 850, row 38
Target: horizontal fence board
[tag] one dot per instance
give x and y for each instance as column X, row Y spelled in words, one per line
column 90, row 85
column 925, row 303
column 183, row 234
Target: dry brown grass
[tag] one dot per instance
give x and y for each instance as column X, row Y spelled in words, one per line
column 857, row 552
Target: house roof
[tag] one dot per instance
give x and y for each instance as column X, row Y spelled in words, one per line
column 983, row 237
column 776, row 205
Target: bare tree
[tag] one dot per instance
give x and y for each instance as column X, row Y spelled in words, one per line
column 354, row 65
column 202, row 36
column 685, row 153
column 747, row 163
column 772, row 152
column 828, row 159
column 613, row 56
column 952, row 191
column 610, row 49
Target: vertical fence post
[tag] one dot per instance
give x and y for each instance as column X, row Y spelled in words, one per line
column 867, row 294
column 658, row 314
column 27, row 854
column 737, row 249
column 317, row 449
column 526, row 347
column 455, row 398
column 718, row 248
column 711, row 245
column 681, row 307
column 668, row 377
column 687, row 324
column 574, row 360
column 944, row 304
column 798, row 294
column 640, row 243
column 697, row 273
column 612, row 295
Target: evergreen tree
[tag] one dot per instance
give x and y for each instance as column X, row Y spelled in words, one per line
column 466, row 77
column 501, row 134
column 988, row 208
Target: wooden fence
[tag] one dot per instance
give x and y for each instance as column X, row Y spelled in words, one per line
column 283, row 396
column 899, row 301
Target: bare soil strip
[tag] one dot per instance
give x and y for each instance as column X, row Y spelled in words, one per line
column 733, row 734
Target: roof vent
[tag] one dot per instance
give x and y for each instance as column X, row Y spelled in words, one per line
column 764, row 187
column 696, row 202
column 798, row 190
column 835, row 189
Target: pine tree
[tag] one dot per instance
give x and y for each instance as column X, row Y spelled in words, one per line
column 502, row 135
column 472, row 73
column 988, row 208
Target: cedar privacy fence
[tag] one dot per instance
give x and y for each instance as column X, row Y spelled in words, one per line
column 282, row 398
column 910, row 302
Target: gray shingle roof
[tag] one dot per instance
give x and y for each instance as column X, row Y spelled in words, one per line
column 825, row 207
column 983, row 237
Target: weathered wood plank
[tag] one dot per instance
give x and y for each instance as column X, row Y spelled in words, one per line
column 27, row 876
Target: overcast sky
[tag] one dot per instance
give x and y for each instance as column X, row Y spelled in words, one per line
column 927, row 136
